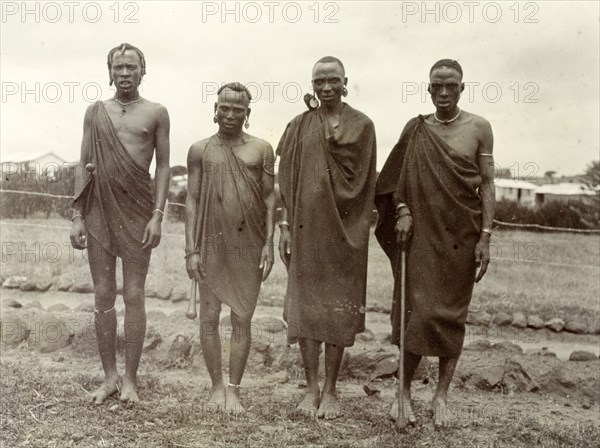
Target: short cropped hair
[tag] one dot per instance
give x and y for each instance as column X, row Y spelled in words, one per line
column 328, row 59
column 450, row 63
column 236, row 87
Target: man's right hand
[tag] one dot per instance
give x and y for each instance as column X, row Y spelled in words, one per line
column 78, row 234
column 194, row 267
column 403, row 228
column 285, row 246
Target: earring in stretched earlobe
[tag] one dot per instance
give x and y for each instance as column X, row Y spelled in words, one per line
column 215, row 119
column 246, row 123
column 345, row 92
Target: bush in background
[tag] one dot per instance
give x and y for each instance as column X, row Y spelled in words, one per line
column 573, row 214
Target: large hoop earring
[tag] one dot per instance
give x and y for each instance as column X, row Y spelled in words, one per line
column 246, row 123
column 345, row 91
column 215, row 119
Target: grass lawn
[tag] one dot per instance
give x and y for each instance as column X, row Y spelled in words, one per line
column 43, row 405
column 550, row 274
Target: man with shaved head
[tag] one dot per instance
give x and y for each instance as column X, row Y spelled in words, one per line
column 327, row 182
column 118, row 210
column 230, row 217
column 435, row 196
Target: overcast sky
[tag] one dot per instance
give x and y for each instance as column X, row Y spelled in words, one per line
column 531, row 68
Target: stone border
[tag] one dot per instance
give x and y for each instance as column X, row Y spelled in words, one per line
column 180, row 294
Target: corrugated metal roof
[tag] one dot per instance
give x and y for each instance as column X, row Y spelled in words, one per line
column 29, row 157
column 566, row 189
column 512, row 183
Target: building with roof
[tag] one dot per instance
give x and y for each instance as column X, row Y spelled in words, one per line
column 44, row 163
column 564, row 192
column 517, row 191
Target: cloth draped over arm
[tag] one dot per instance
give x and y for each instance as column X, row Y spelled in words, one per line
column 440, row 186
column 327, row 184
column 117, row 198
column 231, row 227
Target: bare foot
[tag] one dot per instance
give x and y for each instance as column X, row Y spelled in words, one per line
column 109, row 387
column 409, row 414
column 217, row 398
column 233, row 405
column 440, row 413
column 129, row 391
column 330, row 407
column 309, row 404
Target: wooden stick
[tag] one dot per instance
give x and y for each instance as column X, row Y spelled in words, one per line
column 401, row 419
column 191, row 309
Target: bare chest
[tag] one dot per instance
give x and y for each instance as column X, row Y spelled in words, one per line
column 463, row 138
column 136, row 129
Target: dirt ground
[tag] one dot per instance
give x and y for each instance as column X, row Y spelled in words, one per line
column 44, row 395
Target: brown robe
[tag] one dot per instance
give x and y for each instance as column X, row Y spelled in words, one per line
column 117, row 199
column 441, row 188
column 327, row 183
column 231, row 227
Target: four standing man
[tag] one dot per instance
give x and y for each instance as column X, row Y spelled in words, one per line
column 435, row 197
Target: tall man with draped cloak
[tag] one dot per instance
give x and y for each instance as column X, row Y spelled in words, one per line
column 119, row 209
column 327, row 183
column 435, row 195
column 230, row 217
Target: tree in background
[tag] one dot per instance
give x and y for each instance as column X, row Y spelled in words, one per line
column 592, row 174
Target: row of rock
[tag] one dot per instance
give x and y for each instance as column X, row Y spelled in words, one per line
column 67, row 284
column 179, row 293
column 520, row 321
column 509, row 347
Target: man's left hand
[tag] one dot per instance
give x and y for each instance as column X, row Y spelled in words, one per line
column 266, row 260
column 151, row 234
column 482, row 256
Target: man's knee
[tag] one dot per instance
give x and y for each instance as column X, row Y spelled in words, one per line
column 240, row 321
column 104, row 297
column 209, row 322
column 133, row 295
column 241, row 326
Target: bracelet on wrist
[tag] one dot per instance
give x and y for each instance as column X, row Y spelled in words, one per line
column 189, row 253
column 283, row 223
column 487, row 230
column 405, row 211
column 79, row 215
column 159, row 211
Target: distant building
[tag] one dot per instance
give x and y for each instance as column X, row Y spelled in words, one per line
column 564, row 192
column 39, row 164
column 517, row 191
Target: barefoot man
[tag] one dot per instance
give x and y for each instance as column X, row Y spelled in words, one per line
column 327, row 184
column 116, row 214
column 230, row 217
column 437, row 189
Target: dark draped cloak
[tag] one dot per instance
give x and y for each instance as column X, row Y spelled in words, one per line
column 231, row 230
column 117, row 199
column 441, row 188
column 327, row 183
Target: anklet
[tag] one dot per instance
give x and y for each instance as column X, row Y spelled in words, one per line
column 104, row 312
column 237, row 386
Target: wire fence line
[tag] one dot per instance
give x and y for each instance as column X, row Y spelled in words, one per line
column 25, row 224
column 181, row 235
column 501, row 224
column 536, row 227
column 545, row 228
